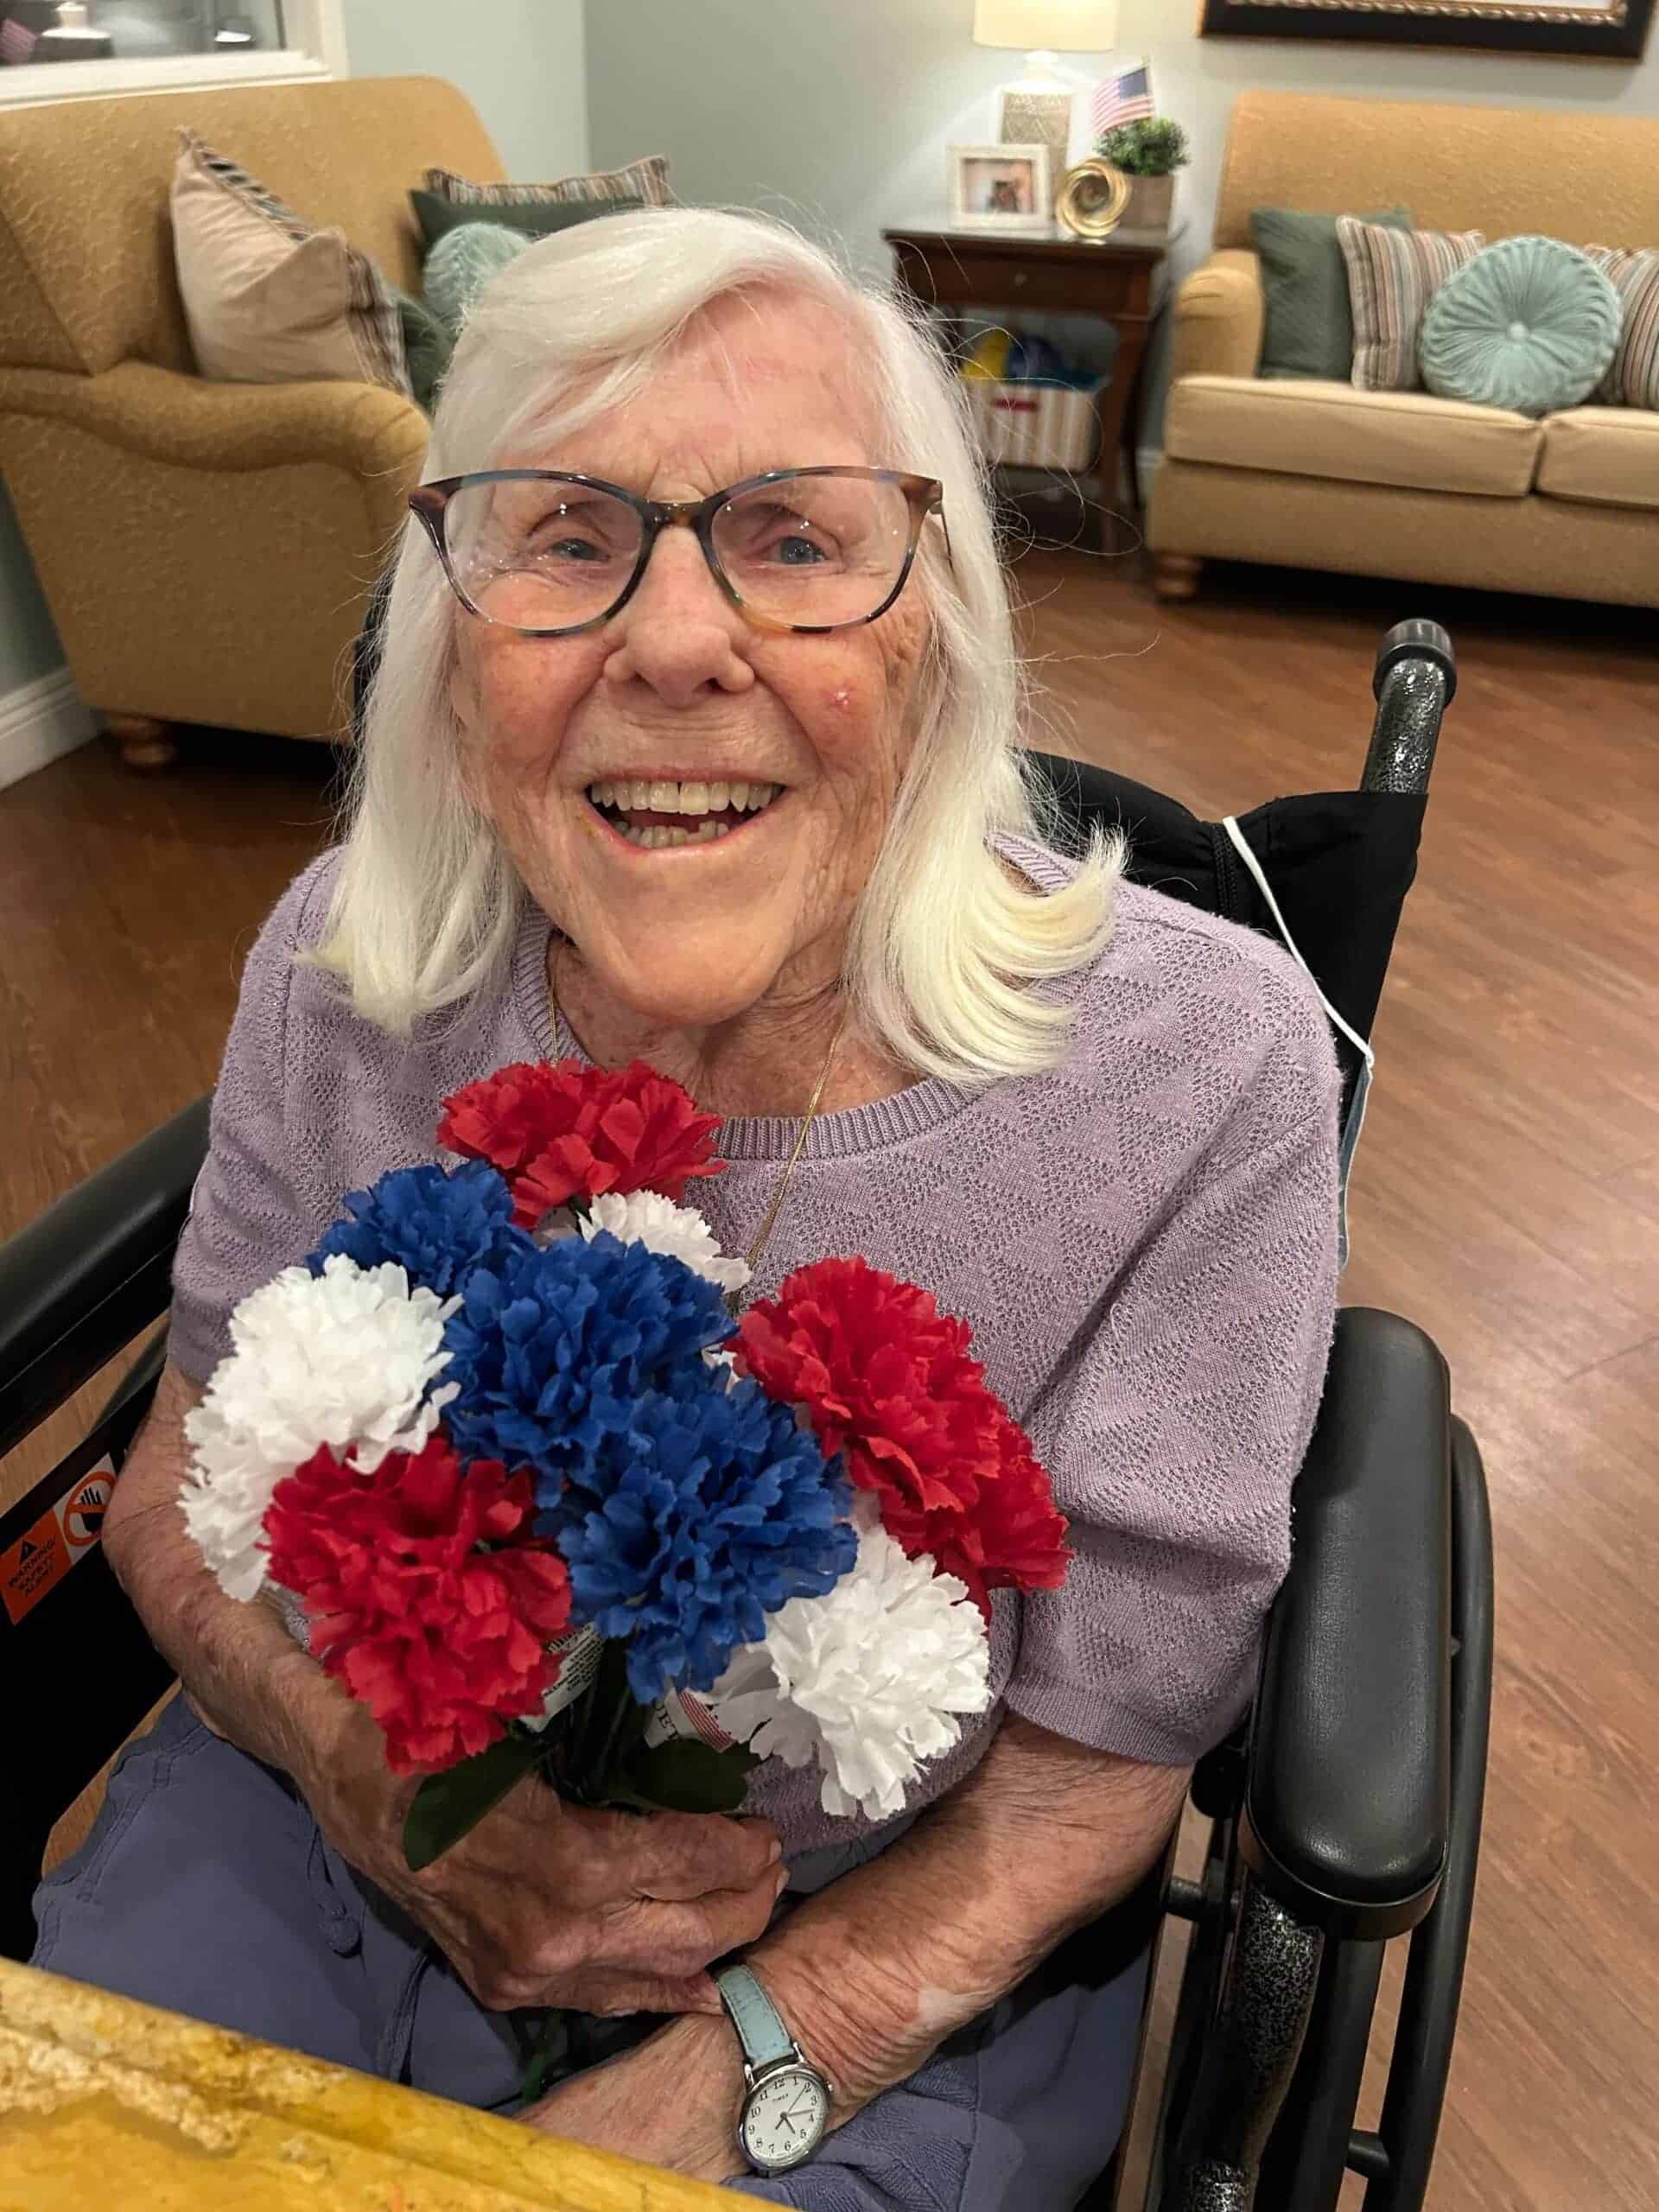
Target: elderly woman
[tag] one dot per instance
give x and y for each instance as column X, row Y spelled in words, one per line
column 695, row 739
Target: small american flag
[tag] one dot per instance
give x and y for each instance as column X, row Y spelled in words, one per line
column 1124, row 98
column 17, row 43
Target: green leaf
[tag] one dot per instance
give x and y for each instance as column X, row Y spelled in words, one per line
column 687, row 1777
column 451, row 1805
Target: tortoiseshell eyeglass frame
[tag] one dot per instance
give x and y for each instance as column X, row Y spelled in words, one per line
column 923, row 495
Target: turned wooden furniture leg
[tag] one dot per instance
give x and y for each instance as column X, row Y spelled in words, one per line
column 145, row 744
column 1175, row 575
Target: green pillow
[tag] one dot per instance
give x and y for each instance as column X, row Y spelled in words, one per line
column 462, row 263
column 1309, row 330
column 536, row 219
column 427, row 345
column 1529, row 324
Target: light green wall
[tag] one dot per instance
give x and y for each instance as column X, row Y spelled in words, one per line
column 28, row 643
column 519, row 61
column 841, row 114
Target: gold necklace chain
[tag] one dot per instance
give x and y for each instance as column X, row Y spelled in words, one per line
column 762, row 1235
column 769, row 1222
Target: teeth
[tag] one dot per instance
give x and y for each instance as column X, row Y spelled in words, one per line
column 626, row 795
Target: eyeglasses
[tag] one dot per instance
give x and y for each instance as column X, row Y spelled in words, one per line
column 549, row 554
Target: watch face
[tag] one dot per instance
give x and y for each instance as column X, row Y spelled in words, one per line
column 784, row 2118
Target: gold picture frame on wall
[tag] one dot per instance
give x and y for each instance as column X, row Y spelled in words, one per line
column 1612, row 30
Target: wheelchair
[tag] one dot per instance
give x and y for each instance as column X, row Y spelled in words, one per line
column 1343, row 1812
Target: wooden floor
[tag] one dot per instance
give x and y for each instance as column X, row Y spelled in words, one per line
column 1507, row 1195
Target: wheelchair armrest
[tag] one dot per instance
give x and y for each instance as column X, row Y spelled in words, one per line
column 81, row 1282
column 1345, row 1805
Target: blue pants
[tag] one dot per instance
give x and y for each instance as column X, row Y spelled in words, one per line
column 207, row 1888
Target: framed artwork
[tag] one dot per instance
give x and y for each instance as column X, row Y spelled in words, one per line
column 1612, row 30
column 1001, row 188
column 1024, row 118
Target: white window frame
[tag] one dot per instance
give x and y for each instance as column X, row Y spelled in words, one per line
column 316, row 31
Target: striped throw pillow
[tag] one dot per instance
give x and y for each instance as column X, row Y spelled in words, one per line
column 1633, row 380
column 1392, row 276
column 645, row 180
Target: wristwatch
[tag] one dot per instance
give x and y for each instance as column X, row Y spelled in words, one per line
column 786, row 2104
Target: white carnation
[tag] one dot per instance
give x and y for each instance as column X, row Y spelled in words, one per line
column 867, row 1680
column 679, row 1232
column 345, row 1358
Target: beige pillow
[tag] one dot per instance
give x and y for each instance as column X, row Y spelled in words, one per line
column 645, row 180
column 1633, row 380
column 1392, row 276
column 268, row 298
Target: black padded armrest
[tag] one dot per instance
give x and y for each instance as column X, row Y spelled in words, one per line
column 1346, row 1803
column 81, row 1282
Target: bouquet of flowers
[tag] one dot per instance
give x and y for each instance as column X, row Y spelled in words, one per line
column 544, row 1504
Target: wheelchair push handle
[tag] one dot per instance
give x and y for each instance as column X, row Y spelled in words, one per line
column 1415, row 682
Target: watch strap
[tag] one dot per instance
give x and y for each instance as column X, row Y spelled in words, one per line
column 759, row 2023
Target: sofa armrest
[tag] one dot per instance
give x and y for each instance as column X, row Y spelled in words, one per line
column 1219, row 312
column 160, row 415
column 1345, row 1811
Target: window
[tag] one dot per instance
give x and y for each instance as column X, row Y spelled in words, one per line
column 67, row 50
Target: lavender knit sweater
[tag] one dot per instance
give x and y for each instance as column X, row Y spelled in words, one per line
column 1144, row 1242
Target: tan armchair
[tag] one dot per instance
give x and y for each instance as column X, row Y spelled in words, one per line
column 1315, row 474
column 206, row 548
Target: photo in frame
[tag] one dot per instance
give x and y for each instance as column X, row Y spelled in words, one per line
column 1001, row 188
column 1612, row 30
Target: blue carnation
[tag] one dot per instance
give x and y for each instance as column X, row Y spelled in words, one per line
column 685, row 1531
column 552, row 1347
column 434, row 1222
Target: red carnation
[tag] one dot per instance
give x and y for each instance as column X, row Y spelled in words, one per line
column 443, row 1641
column 886, row 1379
column 566, row 1131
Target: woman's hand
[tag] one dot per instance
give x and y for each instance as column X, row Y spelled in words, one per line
column 543, row 1903
column 547, row 1904
column 673, row 2100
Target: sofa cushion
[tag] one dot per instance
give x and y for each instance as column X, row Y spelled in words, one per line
column 1403, row 438
column 1606, row 456
column 269, row 297
column 1309, row 328
column 1529, row 324
column 536, row 219
column 1392, row 276
column 1633, row 379
column 646, row 179
column 462, row 263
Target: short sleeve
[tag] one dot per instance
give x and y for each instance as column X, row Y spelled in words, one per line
column 257, row 1205
column 1175, row 1440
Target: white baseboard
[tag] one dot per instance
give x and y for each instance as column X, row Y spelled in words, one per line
column 39, row 722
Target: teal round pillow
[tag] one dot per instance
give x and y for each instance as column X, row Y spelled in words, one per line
column 1529, row 324
column 462, row 263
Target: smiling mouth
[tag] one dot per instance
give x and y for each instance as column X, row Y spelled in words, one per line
column 657, row 816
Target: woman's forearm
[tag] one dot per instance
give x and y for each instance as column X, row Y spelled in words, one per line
column 875, row 1972
column 241, row 1669
column 878, row 1970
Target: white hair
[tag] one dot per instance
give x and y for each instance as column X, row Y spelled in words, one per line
column 946, row 943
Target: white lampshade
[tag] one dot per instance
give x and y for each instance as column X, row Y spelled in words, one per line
column 1051, row 26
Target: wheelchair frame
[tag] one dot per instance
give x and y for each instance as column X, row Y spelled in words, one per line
column 1344, row 1812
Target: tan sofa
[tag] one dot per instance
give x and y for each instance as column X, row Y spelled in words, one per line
column 1402, row 484
column 204, row 548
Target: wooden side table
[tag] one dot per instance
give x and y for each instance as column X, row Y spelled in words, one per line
column 1122, row 280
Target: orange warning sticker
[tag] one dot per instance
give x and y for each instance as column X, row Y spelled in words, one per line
column 65, row 1534
column 35, row 1562
column 80, row 1515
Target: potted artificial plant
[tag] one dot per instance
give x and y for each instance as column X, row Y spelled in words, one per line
column 1149, row 152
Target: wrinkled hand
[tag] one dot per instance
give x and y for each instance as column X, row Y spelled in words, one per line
column 673, row 2100
column 546, row 1903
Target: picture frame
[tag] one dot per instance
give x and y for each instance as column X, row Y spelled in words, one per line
column 1609, row 30
column 1001, row 187
column 1025, row 118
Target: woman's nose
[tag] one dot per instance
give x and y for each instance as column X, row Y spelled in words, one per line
column 679, row 633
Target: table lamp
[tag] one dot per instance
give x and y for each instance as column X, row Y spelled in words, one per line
column 1037, row 107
